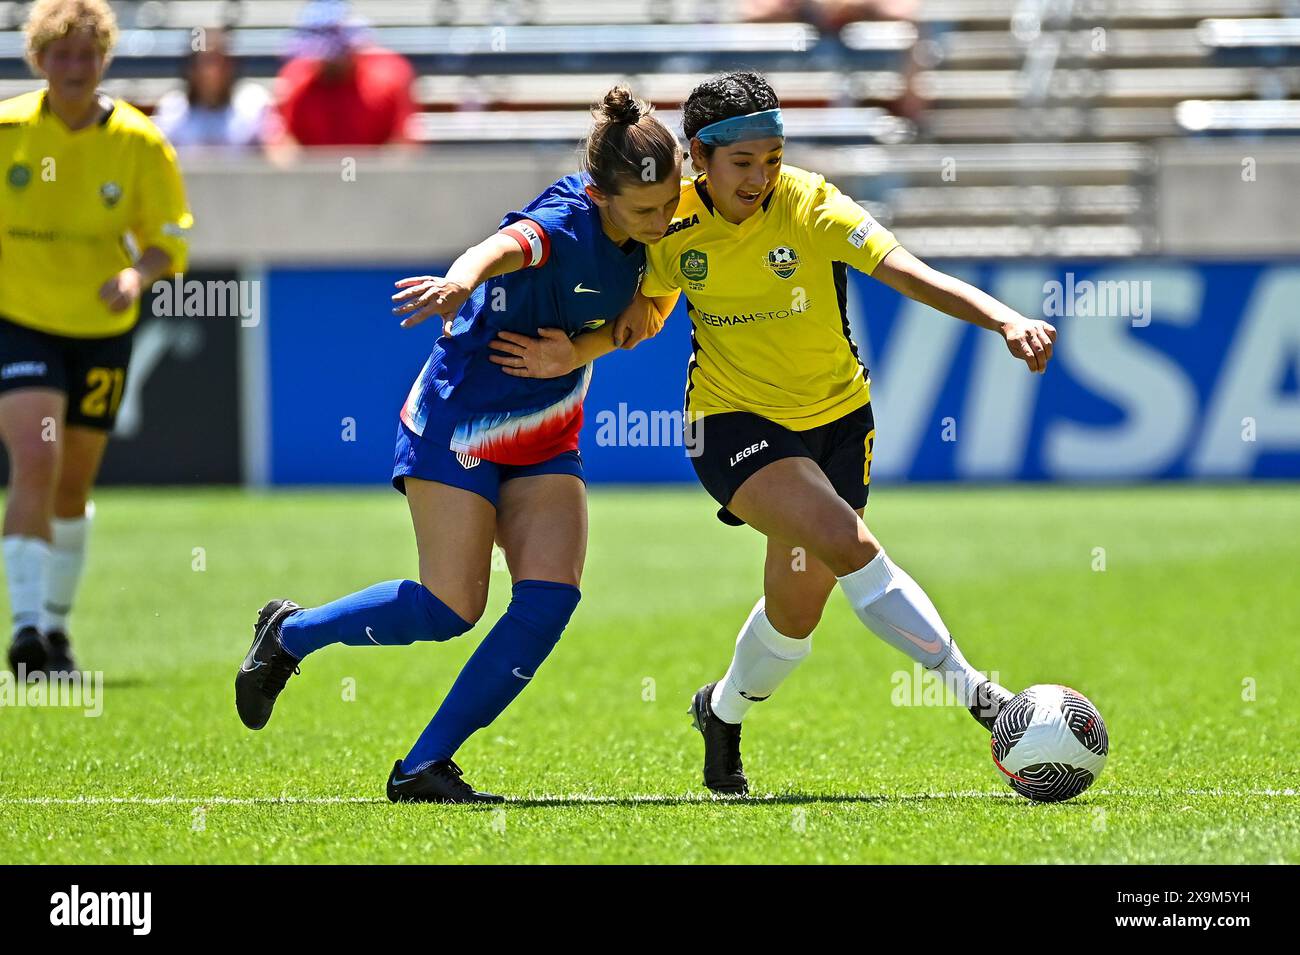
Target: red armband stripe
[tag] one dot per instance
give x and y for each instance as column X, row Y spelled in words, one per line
column 533, row 242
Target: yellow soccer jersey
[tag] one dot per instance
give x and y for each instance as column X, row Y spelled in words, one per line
column 75, row 208
column 767, row 300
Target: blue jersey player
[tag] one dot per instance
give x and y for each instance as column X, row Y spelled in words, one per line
column 486, row 453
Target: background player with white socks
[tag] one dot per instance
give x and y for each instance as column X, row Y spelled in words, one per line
column 43, row 577
column 69, row 305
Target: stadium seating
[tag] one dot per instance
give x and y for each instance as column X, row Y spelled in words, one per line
column 1045, row 110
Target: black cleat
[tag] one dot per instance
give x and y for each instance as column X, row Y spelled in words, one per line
column 989, row 700
column 723, row 772
column 267, row 667
column 438, row 782
column 29, row 653
column 60, row 659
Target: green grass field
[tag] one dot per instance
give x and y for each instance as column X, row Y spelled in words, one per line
column 1187, row 642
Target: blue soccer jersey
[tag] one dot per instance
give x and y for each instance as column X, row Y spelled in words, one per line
column 577, row 280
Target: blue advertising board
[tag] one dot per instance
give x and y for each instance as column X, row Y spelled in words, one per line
column 1163, row 369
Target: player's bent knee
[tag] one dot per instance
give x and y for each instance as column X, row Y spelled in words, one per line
column 843, row 550
column 467, row 603
column 442, row 621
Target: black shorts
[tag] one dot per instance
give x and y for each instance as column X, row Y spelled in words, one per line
column 90, row 371
column 727, row 448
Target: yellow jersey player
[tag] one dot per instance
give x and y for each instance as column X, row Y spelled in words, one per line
column 92, row 212
column 779, row 405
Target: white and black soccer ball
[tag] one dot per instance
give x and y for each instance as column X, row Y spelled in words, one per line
column 781, row 255
column 1049, row 743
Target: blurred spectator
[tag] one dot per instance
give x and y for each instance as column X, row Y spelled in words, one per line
column 827, row 15
column 831, row 16
column 215, row 108
column 338, row 89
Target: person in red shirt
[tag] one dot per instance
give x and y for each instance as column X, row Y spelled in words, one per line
column 339, row 90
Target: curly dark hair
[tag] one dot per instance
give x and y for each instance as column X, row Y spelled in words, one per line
column 724, row 96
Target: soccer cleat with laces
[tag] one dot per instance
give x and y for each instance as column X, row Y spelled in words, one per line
column 267, row 667
column 989, row 700
column 438, row 782
column 723, row 772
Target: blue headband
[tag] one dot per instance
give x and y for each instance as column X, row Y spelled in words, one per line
column 762, row 125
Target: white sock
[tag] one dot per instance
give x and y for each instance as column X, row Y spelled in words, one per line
column 763, row 659
column 894, row 607
column 67, row 558
column 26, row 559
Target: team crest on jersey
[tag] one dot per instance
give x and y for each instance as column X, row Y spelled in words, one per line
column 20, row 174
column 783, row 260
column 111, row 193
column 695, row 265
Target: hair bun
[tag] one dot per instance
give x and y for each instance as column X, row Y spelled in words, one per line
column 619, row 106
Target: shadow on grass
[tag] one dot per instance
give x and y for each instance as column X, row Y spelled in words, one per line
column 126, row 682
column 777, row 799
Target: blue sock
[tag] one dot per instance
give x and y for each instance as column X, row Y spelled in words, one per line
column 502, row 665
column 394, row 613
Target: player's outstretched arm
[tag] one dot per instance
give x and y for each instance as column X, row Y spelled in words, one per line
column 423, row 296
column 1028, row 339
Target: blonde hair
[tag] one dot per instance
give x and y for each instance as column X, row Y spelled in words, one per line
column 52, row 20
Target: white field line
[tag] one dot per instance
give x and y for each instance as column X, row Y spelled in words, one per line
column 612, row 800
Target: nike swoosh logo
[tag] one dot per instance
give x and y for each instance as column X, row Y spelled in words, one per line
column 370, row 634
column 516, row 672
column 403, row 782
column 243, row 667
column 579, row 288
column 929, row 646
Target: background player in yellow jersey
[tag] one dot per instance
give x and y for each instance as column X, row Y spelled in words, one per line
column 781, row 403
column 92, row 211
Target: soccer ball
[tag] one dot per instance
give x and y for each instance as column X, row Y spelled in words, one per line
column 780, row 256
column 1049, row 743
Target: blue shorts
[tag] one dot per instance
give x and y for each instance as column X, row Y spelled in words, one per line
column 432, row 460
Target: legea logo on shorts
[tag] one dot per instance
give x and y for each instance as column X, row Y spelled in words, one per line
column 752, row 449
column 24, row 369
